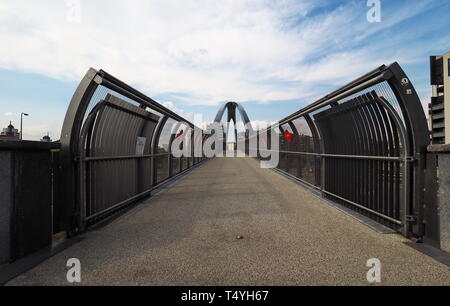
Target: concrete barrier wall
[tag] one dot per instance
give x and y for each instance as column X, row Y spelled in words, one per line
column 444, row 200
column 441, row 192
column 5, row 205
column 25, row 198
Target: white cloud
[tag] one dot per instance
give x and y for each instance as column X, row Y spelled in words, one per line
column 186, row 115
column 37, row 131
column 9, row 114
column 170, row 105
column 209, row 51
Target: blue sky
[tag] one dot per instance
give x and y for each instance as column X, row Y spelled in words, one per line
column 273, row 56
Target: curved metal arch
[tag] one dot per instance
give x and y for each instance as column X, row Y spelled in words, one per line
column 404, row 91
column 77, row 119
column 403, row 136
column 399, row 124
column 157, row 134
column 231, row 109
column 403, row 131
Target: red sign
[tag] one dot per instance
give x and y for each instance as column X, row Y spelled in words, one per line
column 289, row 136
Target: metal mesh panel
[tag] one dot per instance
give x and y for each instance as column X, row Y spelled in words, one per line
column 100, row 94
column 176, row 164
column 368, row 138
column 382, row 89
column 363, row 127
column 162, row 168
column 111, row 154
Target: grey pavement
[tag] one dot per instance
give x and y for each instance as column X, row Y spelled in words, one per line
column 186, row 235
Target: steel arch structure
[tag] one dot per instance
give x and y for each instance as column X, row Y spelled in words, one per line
column 231, row 108
column 364, row 146
column 115, row 149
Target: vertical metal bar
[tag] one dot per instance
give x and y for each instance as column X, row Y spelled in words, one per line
column 383, row 125
column 365, row 151
column 373, row 147
column 85, row 169
column 378, row 142
column 352, row 140
column 155, row 143
column 418, row 135
column 296, row 148
column 356, row 150
column 317, row 148
column 70, row 134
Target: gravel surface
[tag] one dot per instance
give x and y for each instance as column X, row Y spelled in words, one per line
column 188, row 235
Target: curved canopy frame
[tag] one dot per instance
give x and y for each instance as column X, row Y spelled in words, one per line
column 109, row 149
column 370, row 139
column 366, row 147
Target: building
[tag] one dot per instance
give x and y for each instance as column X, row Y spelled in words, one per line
column 439, row 107
column 10, row 133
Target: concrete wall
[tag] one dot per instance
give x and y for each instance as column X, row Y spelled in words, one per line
column 438, row 170
column 5, row 205
column 444, row 200
column 25, row 198
column 446, row 57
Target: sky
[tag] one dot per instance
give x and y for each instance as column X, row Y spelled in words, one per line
column 274, row 57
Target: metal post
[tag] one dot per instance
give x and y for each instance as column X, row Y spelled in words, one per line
column 21, row 124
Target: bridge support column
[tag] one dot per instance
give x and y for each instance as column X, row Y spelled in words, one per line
column 437, row 216
column 25, row 198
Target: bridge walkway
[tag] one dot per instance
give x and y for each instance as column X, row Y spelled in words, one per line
column 186, row 235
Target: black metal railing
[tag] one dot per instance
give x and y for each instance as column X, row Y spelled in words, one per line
column 362, row 145
column 115, row 149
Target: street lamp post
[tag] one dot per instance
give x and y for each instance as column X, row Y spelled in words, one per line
column 21, row 124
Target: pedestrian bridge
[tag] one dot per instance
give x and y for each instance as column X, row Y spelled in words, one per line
column 362, row 145
column 346, row 183
column 186, row 234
